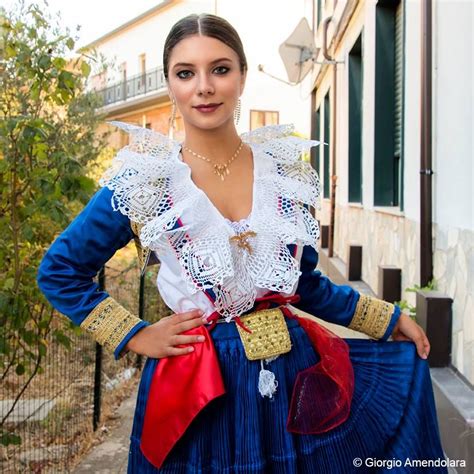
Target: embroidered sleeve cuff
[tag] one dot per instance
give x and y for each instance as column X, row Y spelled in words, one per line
column 111, row 325
column 374, row 317
column 393, row 321
column 120, row 350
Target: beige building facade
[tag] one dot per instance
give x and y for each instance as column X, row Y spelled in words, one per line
column 373, row 127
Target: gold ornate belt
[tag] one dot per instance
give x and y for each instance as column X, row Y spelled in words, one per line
column 264, row 334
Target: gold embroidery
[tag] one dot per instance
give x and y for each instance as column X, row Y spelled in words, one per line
column 269, row 336
column 136, row 227
column 372, row 316
column 109, row 322
column 241, row 240
column 143, row 253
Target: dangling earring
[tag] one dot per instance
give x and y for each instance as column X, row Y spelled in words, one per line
column 172, row 121
column 237, row 112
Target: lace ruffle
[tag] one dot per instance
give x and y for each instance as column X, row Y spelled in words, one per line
column 153, row 186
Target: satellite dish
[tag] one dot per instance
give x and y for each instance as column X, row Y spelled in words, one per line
column 299, row 52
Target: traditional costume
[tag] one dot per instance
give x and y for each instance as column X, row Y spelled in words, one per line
column 268, row 391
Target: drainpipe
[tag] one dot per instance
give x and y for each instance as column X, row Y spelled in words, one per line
column 426, row 223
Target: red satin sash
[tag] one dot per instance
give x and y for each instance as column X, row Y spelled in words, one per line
column 183, row 385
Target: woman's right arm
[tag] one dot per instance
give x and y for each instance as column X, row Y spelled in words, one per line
column 66, row 277
column 68, row 268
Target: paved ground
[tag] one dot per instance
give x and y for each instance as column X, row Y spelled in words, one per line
column 111, row 456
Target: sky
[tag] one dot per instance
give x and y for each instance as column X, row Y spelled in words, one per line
column 96, row 17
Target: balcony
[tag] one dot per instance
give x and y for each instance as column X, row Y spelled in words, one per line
column 134, row 87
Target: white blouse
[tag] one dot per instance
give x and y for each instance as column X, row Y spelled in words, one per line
column 173, row 288
column 199, row 248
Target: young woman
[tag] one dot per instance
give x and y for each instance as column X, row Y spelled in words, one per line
column 234, row 381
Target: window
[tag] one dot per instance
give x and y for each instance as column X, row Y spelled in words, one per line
column 142, row 78
column 260, row 118
column 319, row 14
column 327, row 146
column 142, row 65
column 123, row 79
column 123, row 138
column 99, row 81
column 355, row 69
column 398, row 128
column 123, row 72
column 388, row 103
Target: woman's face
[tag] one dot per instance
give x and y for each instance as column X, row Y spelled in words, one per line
column 203, row 70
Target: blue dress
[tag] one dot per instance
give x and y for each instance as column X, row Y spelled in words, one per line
column 392, row 417
column 392, row 424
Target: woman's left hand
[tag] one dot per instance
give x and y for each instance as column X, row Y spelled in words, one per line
column 407, row 330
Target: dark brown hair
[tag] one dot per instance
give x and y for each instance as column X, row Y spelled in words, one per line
column 204, row 24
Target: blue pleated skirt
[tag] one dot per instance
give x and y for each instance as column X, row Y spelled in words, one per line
column 392, row 417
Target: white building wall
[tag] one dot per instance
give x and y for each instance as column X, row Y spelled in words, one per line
column 453, row 154
column 391, row 236
column 453, row 92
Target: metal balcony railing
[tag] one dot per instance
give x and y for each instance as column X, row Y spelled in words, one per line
column 140, row 84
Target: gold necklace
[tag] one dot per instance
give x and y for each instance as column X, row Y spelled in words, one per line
column 220, row 169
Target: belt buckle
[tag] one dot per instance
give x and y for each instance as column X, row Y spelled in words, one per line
column 269, row 336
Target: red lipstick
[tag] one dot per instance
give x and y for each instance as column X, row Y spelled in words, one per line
column 207, row 108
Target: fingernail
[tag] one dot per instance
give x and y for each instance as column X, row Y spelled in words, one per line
column 425, row 355
column 201, row 338
column 190, row 349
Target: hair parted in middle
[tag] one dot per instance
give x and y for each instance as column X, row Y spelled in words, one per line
column 204, row 24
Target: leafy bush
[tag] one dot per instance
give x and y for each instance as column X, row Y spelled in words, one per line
column 48, row 143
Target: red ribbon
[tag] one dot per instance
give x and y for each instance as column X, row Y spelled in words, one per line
column 183, row 385
column 322, row 394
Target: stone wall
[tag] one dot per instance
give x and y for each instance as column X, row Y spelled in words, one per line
column 386, row 240
column 390, row 239
column 454, row 273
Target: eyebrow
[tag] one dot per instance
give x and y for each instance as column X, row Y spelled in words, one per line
column 212, row 62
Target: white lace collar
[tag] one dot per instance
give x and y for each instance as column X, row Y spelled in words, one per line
column 153, row 186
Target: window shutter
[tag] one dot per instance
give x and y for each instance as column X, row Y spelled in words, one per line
column 398, row 79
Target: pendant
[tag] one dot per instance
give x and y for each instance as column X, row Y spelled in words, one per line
column 221, row 171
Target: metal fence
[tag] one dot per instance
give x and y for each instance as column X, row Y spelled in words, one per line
column 57, row 414
column 134, row 86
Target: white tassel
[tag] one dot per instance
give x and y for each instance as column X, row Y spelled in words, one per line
column 267, row 384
